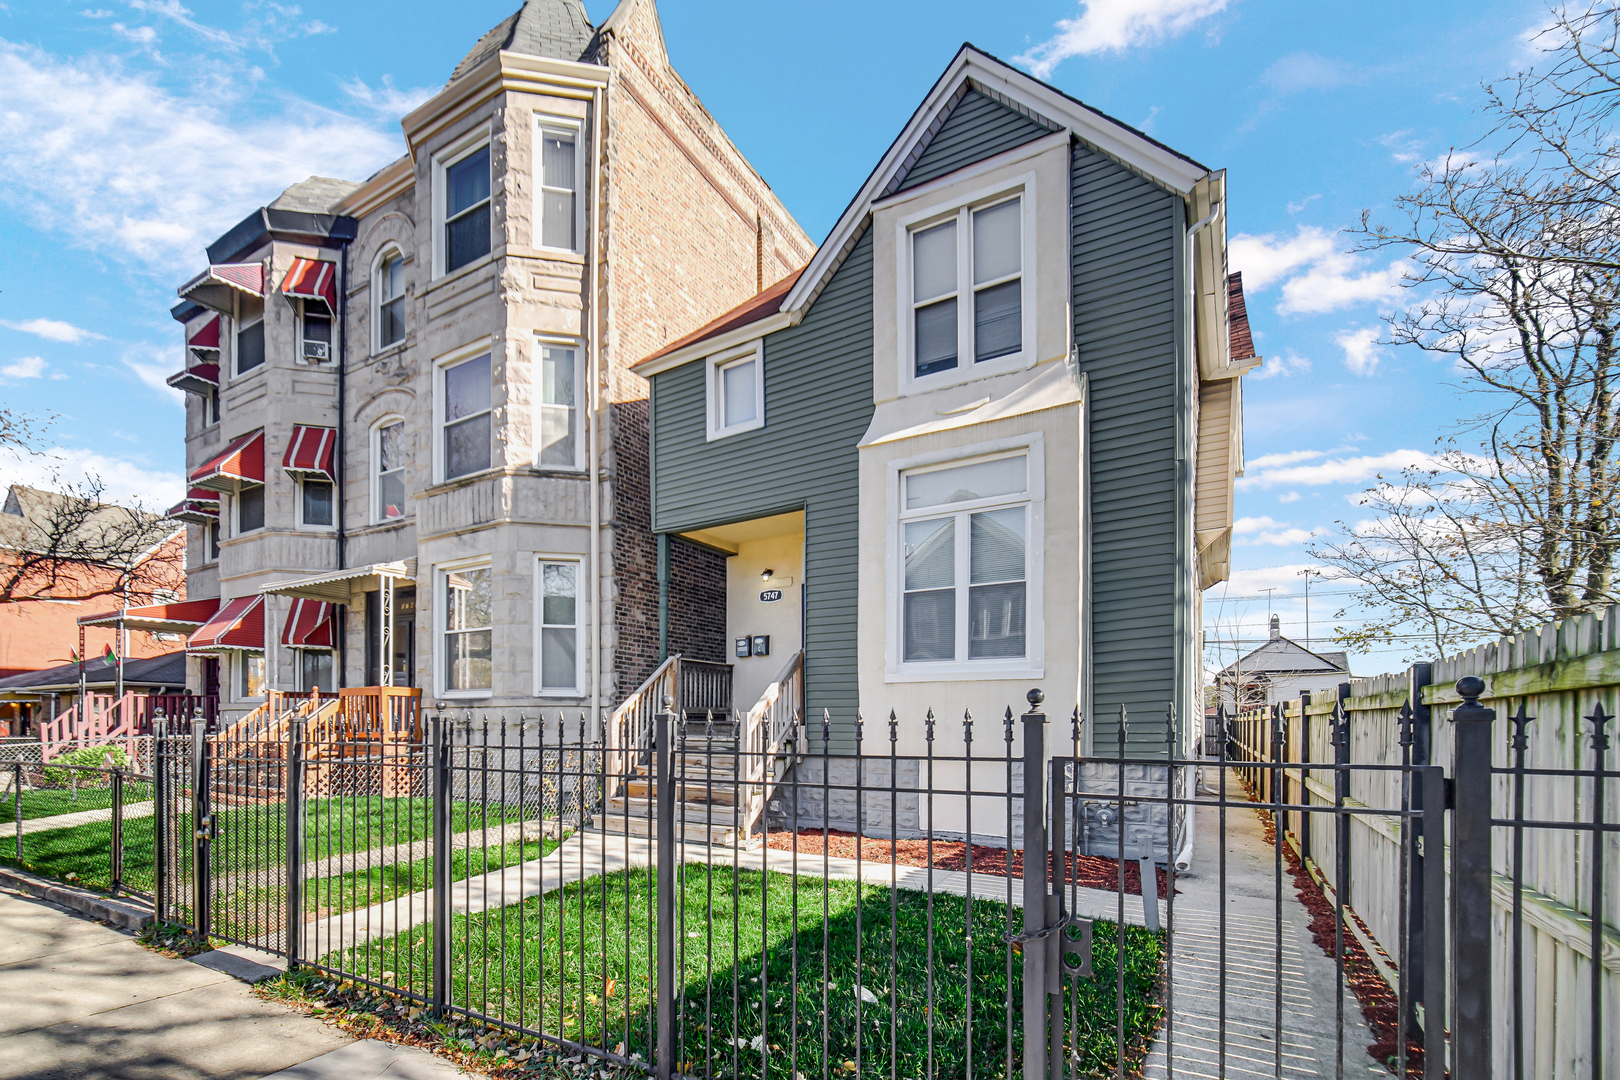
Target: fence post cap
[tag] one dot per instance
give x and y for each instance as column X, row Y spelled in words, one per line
column 668, row 701
column 1035, row 697
column 1471, row 687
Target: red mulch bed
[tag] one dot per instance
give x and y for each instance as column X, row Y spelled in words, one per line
column 1090, row 871
column 1379, row 1002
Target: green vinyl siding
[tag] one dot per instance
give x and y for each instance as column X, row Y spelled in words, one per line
column 979, row 127
column 1125, row 312
column 818, row 404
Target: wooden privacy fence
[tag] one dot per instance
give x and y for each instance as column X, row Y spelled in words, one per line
column 1553, row 841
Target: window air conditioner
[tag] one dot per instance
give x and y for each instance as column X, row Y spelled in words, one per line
column 317, row 351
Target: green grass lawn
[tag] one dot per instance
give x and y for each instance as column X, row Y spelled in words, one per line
column 248, row 838
column 50, row 802
column 546, row 964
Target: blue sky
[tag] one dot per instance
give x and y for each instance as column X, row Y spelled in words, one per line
column 132, row 132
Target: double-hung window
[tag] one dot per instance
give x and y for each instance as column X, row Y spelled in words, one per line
column 965, row 563
column 249, row 336
column 561, row 175
column 468, row 629
column 558, row 409
column 967, row 287
column 388, row 456
column 390, row 293
column 466, row 209
column 736, row 392
column 557, row 626
column 465, row 421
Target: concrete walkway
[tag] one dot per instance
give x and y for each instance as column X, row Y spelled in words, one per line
column 80, row 1001
column 1308, row 1046
column 78, row 817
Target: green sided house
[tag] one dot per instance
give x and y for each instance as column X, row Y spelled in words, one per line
column 984, row 441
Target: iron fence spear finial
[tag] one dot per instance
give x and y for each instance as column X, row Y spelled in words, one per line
column 894, row 727
column 928, row 726
column 967, row 726
column 1599, row 719
column 1519, row 740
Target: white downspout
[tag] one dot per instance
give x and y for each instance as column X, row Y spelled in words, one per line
column 1184, row 855
column 594, row 353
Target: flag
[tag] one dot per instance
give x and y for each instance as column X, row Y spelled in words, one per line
column 109, row 657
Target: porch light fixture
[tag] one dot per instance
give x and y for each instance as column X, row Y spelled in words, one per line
column 765, row 575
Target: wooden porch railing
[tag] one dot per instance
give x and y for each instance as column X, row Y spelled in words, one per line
column 763, row 738
column 629, row 733
column 101, row 720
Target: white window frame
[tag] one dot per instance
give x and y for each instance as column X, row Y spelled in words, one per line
column 467, row 145
column 441, row 628
column 581, row 602
column 440, row 366
column 576, row 127
column 374, row 470
column 331, row 344
column 961, row 208
column 299, row 507
column 542, row 341
column 389, row 251
column 1033, row 664
column 714, row 369
column 239, row 675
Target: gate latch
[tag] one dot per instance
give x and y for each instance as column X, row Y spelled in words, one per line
column 205, row 827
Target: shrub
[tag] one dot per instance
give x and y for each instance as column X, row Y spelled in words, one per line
column 100, row 757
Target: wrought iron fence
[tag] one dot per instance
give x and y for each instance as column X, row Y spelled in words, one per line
column 1020, row 897
column 86, row 824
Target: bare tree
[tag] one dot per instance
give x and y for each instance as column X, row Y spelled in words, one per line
column 78, row 546
column 1516, row 282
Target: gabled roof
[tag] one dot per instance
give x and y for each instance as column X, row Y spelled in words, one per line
column 1281, row 656
column 27, row 514
column 555, row 28
column 761, row 305
column 974, row 69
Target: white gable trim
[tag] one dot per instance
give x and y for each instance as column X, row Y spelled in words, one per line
column 980, row 71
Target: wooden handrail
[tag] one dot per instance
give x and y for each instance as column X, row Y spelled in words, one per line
column 630, row 726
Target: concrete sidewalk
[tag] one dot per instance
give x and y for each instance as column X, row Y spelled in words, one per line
column 80, row 1001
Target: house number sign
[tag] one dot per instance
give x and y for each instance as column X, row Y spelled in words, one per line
column 770, row 596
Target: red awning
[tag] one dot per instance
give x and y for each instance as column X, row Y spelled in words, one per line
column 308, row 626
column 214, row 287
column 312, row 279
column 310, row 452
column 206, row 339
column 200, row 507
column 178, row 618
column 241, row 462
column 202, row 379
column 237, row 625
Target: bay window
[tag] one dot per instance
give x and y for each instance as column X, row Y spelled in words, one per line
column 466, row 209
column 561, row 175
column 465, row 420
column 468, row 629
column 966, row 563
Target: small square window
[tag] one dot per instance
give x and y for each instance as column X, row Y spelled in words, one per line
column 736, row 392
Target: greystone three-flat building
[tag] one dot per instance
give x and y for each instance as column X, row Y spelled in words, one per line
column 415, row 450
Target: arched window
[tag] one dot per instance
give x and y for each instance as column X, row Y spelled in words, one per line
column 388, row 291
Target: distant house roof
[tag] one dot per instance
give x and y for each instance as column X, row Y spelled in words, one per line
column 1282, row 656
column 761, row 305
column 1238, row 319
column 27, row 512
column 554, row 28
column 168, row 670
column 317, row 195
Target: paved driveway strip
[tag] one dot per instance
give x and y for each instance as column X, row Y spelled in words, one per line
column 79, row 1001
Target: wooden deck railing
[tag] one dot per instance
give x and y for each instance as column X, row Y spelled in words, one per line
column 763, row 737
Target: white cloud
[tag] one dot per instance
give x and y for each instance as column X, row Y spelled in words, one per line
column 97, row 13
column 29, row 367
column 53, row 330
column 1114, row 26
column 126, row 482
column 1288, row 497
column 1286, row 364
column 121, row 164
column 1317, row 274
column 1244, row 525
column 153, row 364
column 1360, row 347
column 1402, row 146
column 1296, row 207
column 1287, row 457
column 1307, row 71
column 1254, row 531
column 138, row 35
column 1335, row 470
column 386, row 101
